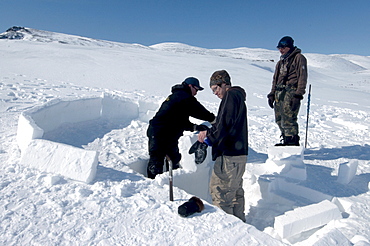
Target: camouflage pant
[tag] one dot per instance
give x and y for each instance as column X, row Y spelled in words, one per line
column 226, row 184
column 284, row 116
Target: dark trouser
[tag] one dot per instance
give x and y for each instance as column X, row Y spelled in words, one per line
column 226, row 184
column 285, row 118
column 159, row 147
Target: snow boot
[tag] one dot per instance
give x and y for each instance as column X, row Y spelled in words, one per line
column 282, row 141
column 194, row 205
column 292, row 140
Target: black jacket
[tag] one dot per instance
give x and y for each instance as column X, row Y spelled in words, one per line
column 172, row 118
column 229, row 135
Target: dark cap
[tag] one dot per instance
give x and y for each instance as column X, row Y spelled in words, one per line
column 286, row 42
column 193, row 81
column 220, row 77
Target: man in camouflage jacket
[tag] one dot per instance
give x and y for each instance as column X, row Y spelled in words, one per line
column 288, row 87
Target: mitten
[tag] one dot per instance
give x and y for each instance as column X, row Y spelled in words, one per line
column 194, row 205
column 271, row 99
column 200, row 150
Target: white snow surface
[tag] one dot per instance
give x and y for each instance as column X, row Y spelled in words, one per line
column 97, row 96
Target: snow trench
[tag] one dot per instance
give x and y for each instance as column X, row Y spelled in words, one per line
column 53, row 138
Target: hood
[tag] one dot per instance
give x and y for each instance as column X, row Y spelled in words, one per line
column 181, row 87
column 238, row 89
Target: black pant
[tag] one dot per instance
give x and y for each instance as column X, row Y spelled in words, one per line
column 159, row 147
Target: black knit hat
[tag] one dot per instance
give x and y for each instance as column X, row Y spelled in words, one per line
column 286, row 42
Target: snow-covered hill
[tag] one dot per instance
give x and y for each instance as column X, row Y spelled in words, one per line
column 121, row 206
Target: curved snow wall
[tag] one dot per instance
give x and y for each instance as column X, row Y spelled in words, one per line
column 72, row 162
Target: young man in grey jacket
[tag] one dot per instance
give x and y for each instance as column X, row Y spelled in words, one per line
column 229, row 140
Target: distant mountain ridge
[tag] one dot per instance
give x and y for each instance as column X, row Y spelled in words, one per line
column 348, row 62
column 30, row 34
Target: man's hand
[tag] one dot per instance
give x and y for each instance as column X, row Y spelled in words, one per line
column 201, row 136
column 271, row 99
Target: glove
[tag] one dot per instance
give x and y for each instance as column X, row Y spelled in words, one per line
column 271, row 99
column 200, row 150
column 201, row 128
column 194, row 205
column 296, row 102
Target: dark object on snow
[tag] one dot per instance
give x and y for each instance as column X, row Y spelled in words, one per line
column 200, row 150
column 308, row 113
column 194, row 205
column 170, row 181
column 289, row 141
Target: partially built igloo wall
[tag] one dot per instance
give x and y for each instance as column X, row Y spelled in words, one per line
column 72, row 162
column 38, row 150
column 283, row 181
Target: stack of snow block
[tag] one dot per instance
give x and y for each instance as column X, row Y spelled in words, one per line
column 69, row 161
column 306, row 218
column 287, row 161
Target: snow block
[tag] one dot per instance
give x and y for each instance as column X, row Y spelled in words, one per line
column 283, row 154
column 57, row 112
column 347, row 172
column 27, row 130
column 117, row 107
column 287, row 161
column 51, row 157
column 328, row 236
column 302, row 191
column 306, row 218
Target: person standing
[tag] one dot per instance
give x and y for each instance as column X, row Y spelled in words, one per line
column 169, row 123
column 288, row 87
column 228, row 137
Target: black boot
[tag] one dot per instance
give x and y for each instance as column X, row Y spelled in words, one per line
column 282, row 141
column 152, row 171
column 292, row 140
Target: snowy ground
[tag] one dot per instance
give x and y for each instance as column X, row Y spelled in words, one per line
column 121, row 206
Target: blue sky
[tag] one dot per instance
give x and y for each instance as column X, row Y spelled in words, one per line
column 317, row 26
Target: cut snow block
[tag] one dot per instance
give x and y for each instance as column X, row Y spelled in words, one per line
column 347, row 172
column 286, row 155
column 328, row 236
column 27, row 130
column 306, row 218
column 66, row 160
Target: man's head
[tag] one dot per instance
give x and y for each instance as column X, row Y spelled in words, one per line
column 220, row 82
column 194, row 85
column 285, row 45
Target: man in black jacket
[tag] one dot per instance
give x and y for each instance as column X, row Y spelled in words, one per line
column 171, row 120
column 229, row 140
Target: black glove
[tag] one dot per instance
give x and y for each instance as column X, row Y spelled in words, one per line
column 194, row 205
column 201, row 128
column 271, row 99
column 200, row 150
column 296, row 102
